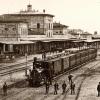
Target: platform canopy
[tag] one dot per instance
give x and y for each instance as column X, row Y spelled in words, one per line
column 91, row 40
column 16, row 42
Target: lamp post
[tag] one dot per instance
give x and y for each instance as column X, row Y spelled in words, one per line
column 26, row 64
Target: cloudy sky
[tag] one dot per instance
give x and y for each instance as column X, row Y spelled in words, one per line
column 80, row 14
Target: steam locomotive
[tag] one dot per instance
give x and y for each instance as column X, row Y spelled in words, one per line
column 45, row 70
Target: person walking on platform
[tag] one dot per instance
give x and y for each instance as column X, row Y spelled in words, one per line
column 44, row 55
column 55, row 88
column 47, row 87
column 64, row 87
column 5, row 89
column 70, row 78
column 72, row 88
column 98, row 89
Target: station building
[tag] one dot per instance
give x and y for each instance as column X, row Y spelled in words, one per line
column 80, row 34
column 59, row 29
column 39, row 23
column 11, row 32
column 32, row 32
column 19, row 31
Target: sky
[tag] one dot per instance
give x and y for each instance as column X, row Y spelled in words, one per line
column 77, row 14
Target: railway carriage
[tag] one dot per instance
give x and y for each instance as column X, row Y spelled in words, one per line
column 65, row 63
column 72, row 60
column 78, row 60
column 45, row 70
column 57, row 65
column 87, row 56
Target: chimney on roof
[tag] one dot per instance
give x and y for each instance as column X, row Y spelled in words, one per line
column 44, row 10
column 29, row 7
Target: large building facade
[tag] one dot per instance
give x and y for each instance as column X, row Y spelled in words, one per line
column 16, row 30
column 39, row 23
column 12, row 30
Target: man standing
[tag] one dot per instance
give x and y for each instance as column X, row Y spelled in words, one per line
column 47, row 87
column 55, row 87
column 72, row 88
column 70, row 78
column 5, row 89
column 64, row 87
column 98, row 89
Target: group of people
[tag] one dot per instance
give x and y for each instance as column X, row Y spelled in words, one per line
column 64, row 86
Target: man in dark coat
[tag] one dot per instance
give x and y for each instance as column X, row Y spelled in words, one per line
column 5, row 89
column 55, row 87
column 70, row 78
column 47, row 87
column 64, row 87
column 72, row 88
column 98, row 89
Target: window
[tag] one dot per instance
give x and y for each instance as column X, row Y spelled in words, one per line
column 49, row 34
column 38, row 25
column 14, row 29
column 60, row 31
column 49, row 25
column 6, row 29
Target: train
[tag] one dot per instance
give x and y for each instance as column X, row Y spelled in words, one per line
column 46, row 69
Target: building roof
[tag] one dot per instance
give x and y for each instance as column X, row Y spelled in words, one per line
column 58, row 25
column 2, row 20
column 86, row 33
column 78, row 31
column 91, row 40
column 96, row 36
column 29, row 14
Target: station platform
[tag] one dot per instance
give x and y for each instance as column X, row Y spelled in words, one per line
column 23, row 59
column 20, row 60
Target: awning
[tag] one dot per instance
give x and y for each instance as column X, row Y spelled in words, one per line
column 78, row 41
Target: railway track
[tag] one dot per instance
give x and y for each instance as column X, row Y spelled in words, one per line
column 14, row 68
column 15, row 65
column 84, row 75
column 89, row 73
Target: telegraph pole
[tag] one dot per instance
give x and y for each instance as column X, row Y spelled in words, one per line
column 26, row 64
